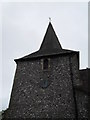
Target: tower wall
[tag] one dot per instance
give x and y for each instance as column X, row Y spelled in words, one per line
column 82, row 102
column 30, row 100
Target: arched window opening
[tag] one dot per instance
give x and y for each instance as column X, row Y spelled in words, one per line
column 45, row 64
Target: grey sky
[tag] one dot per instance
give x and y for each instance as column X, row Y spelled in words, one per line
column 23, row 29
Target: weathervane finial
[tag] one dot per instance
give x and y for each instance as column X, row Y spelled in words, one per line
column 49, row 19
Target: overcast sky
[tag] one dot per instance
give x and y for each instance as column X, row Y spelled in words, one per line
column 24, row 26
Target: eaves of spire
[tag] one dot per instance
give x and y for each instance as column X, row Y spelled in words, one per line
column 50, row 46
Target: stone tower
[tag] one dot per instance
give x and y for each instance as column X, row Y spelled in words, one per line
column 44, row 84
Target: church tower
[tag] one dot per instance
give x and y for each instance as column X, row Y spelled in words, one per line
column 44, row 82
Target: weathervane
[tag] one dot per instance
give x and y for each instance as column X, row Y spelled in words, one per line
column 49, row 19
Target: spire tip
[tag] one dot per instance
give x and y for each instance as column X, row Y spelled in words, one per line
column 50, row 19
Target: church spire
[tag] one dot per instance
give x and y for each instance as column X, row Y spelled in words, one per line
column 50, row 46
column 50, row 41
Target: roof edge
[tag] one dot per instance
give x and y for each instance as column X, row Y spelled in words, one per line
column 47, row 55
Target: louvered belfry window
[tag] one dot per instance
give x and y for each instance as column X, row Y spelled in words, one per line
column 45, row 64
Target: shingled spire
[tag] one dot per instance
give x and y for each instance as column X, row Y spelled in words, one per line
column 50, row 42
column 50, row 46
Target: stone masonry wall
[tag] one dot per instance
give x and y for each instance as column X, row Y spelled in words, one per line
column 30, row 100
column 81, row 97
column 82, row 102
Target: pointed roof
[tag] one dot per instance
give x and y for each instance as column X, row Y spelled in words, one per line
column 50, row 41
column 50, row 46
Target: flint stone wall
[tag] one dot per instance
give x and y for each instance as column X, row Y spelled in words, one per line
column 30, row 100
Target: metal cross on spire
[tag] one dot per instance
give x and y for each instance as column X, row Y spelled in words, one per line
column 49, row 19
